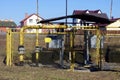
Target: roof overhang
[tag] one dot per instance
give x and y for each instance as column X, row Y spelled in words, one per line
column 98, row 18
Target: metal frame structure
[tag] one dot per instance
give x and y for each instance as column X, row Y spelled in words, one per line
column 71, row 49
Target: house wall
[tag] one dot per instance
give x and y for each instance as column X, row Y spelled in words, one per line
column 34, row 20
column 3, row 29
column 33, row 30
column 113, row 29
column 80, row 22
column 114, row 26
column 31, row 21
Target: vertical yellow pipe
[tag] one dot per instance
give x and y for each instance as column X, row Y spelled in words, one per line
column 98, row 47
column 37, row 56
column 7, row 49
column 12, row 40
column 37, row 44
column 21, row 58
column 37, row 34
column 10, row 55
column 72, row 65
column 21, row 36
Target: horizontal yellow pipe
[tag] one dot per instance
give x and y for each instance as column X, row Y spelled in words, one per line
column 45, row 27
column 41, row 33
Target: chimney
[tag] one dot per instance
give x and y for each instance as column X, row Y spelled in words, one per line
column 26, row 15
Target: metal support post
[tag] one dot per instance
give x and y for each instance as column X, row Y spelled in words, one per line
column 21, row 48
column 62, row 53
column 86, row 39
column 61, row 58
column 37, row 48
column 8, row 49
column 21, row 36
column 98, row 47
column 72, row 65
column 100, row 60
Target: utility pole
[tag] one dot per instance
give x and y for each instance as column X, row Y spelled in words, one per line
column 37, row 7
column 111, row 5
column 66, row 11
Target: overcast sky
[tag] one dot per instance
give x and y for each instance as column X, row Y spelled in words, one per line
column 16, row 9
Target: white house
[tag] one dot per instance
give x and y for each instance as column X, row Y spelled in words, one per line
column 114, row 26
column 31, row 20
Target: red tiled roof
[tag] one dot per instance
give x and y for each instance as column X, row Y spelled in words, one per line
column 29, row 17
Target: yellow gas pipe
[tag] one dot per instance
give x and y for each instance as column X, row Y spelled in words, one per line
column 37, row 44
column 8, row 49
column 21, row 56
column 72, row 65
column 98, row 47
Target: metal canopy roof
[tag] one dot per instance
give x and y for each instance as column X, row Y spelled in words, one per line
column 98, row 18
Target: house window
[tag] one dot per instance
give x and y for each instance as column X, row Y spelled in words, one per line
column 99, row 12
column 37, row 20
column 30, row 20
